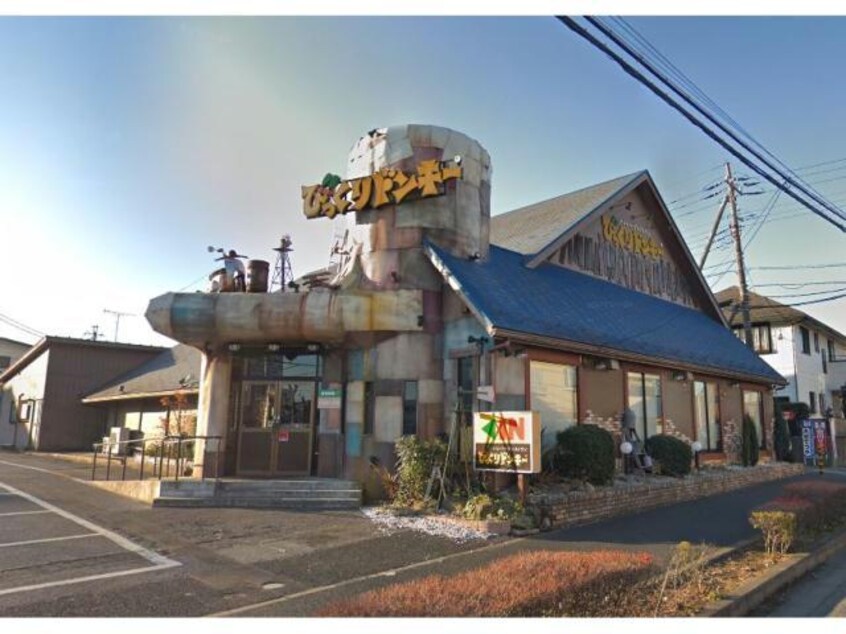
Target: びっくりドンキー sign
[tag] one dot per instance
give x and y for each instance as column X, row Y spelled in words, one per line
column 507, row 441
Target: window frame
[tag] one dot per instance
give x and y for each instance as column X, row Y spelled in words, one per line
column 408, row 411
column 707, row 445
column 812, row 405
column 805, row 335
column 642, row 374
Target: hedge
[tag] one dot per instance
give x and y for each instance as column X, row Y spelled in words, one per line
column 542, row 583
column 673, row 455
column 585, row 452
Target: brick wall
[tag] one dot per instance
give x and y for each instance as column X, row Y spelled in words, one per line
column 582, row 507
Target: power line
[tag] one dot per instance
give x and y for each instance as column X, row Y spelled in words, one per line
column 811, row 293
column 795, row 285
column 628, row 68
column 831, row 265
column 14, row 323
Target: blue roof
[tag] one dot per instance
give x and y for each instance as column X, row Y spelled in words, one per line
column 559, row 303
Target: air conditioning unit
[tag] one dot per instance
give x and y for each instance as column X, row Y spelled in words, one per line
column 117, row 438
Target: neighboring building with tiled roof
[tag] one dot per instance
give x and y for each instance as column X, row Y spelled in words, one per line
column 40, row 393
column 810, row 354
column 144, row 398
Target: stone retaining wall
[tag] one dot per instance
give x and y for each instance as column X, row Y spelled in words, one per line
column 583, row 507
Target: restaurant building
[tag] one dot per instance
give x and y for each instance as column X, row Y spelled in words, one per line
column 578, row 307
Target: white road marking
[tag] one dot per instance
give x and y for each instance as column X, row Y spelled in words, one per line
column 123, row 542
column 375, row 575
column 67, row 582
column 159, row 562
column 24, row 513
column 48, row 539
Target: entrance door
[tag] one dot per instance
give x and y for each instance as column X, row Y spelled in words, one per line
column 275, row 427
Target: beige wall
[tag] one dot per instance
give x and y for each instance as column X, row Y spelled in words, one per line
column 678, row 403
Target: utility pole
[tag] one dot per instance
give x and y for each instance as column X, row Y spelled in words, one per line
column 734, row 227
column 117, row 314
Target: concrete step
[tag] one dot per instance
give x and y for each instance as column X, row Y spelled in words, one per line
column 283, row 485
column 350, row 494
column 306, row 504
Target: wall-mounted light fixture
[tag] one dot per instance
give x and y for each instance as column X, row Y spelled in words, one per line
column 273, row 347
column 313, row 347
column 234, row 347
column 681, row 375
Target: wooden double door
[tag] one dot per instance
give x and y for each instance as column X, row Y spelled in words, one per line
column 276, row 427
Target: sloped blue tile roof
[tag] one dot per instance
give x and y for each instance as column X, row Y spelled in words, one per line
column 555, row 302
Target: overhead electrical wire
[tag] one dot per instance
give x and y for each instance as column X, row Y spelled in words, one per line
column 628, row 48
column 14, row 323
column 839, row 219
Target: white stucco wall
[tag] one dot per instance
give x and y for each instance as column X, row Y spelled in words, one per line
column 29, row 384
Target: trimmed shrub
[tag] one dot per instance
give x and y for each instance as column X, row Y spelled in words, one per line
column 542, row 583
column 673, row 455
column 585, row 452
column 781, row 436
column 415, row 459
column 778, row 527
column 749, row 442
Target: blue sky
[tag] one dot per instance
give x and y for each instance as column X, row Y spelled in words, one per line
column 129, row 145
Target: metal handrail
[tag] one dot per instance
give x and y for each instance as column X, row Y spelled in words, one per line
column 162, row 460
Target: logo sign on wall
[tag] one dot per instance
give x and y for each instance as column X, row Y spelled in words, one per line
column 386, row 187
column 816, row 442
column 507, row 441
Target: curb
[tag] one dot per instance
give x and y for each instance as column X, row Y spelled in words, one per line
column 754, row 593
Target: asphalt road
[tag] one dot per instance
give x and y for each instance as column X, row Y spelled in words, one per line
column 111, row 556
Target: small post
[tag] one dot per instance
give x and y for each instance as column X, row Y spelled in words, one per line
column 143, row 451
column 108, row 460
column 217, row 470
column 94, row 464
column 125, row 457
column 522, row 488
column 161, row 458
column 178, row 455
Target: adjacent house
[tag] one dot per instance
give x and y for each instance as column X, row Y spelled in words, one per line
column 157, row 397
column 11, row 351
column 810, row 354
column 40, row 393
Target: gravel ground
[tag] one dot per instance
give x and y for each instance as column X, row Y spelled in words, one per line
column 388, row 522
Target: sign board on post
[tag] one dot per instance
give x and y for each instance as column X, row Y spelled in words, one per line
column 816, row 442
column 329, row 398
column 485, row 393
column 507, row 442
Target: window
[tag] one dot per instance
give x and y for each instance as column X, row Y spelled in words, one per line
column 824, row 362
column 831, row 353
column 5, row 362
column 553, row 393
column 812, row 402
column 409, row 408
column 753, row 407
column 369, row 407
column 466, row 389
column 645, row 402
column 822, row 403
column 707, row 415
column 816, row 342
column 762, row 340
column 806, row 340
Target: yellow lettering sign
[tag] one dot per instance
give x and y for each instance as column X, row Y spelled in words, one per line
column 385, row 187
column 629, row 237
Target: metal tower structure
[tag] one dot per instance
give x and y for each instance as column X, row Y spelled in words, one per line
column 283, row 274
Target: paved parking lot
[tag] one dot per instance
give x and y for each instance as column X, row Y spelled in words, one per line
column 42, row 546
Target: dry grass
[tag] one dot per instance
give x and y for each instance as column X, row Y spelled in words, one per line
column 526, row 584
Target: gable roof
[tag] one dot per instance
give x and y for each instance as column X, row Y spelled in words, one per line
column 765, row 309
column 159, row 376
column 565, row 215
column 15, row 342
column 45, row 342
column 529, row 229
column 553, row 305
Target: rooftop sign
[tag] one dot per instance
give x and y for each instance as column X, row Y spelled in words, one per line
column 385, row 187
column 630, row 237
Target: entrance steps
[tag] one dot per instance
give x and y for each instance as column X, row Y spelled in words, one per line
column 297, row 494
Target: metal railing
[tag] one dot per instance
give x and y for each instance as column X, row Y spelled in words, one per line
column 169, row 456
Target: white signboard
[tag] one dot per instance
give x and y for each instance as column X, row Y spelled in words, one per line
column 507, row 441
